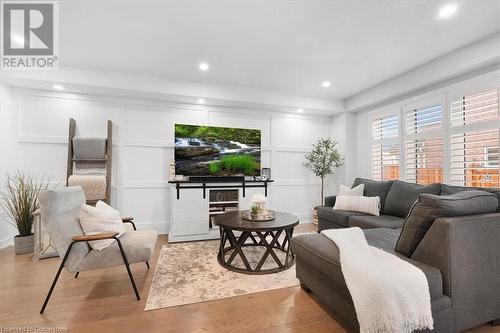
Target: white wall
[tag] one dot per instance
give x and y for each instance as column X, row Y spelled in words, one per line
column 35, row 125
column 6, row 103
column 479, row 57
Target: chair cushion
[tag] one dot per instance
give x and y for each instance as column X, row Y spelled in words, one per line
column 430, row 207
column 374, row 188
column 340, row 217
column 323, row 255
column 138, row 246
column 448, row 189
column 402, row 196
column 382, row 221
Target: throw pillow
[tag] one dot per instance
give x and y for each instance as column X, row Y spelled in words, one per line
column 430, row 207
column 375, row 188
column 367, row 205
column 104, row 206
column 355, row 191
column 94, row 221
column 402, row 196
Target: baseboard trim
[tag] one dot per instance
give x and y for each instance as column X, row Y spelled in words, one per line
column 6, row 242
column 162, row 228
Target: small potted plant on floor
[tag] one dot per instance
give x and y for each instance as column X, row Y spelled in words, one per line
column 323, row 160
column 19, row 200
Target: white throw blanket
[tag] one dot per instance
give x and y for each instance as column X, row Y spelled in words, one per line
column 389, row 294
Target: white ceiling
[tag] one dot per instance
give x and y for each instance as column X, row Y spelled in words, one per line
column 289, row 46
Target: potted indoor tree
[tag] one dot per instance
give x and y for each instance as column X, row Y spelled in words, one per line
column 323, row 160
column 19, row 200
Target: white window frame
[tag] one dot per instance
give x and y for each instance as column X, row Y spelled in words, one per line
column 437, row 133
column 444, row 96
column 382, row 113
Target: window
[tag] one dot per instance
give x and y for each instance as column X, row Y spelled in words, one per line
column 477, row 108
column 474, row 141
column 385, row 148
column 424, row 145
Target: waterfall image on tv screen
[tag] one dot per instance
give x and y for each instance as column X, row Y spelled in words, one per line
column 216, row 151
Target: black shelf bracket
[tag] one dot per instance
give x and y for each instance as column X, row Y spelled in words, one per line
column 184, row 184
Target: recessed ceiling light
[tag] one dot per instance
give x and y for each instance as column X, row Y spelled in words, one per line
column 300, row 110
column 203, row 66
column 58, row 87
column 326, row 84
column 447, row 11
column 201, row 101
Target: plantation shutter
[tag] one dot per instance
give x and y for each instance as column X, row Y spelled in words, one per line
column 424, row 144
column 474, row 144
column 385, row 148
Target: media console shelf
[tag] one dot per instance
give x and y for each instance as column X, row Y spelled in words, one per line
column 187, row 184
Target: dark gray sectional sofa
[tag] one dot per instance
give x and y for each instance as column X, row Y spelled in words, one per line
column 460, row 256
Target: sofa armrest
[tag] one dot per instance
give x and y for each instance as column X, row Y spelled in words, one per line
column 466, row 250
column 330, row 200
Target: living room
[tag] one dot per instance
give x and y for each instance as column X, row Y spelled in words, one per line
column 203, row 166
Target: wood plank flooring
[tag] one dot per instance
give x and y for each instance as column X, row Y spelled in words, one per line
column 103, row 301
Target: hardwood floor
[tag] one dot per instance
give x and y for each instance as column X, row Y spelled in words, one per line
column 103, row 301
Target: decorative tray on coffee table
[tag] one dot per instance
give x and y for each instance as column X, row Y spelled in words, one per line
column 262, row 216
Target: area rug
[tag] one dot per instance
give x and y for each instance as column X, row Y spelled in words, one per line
column 189, row 273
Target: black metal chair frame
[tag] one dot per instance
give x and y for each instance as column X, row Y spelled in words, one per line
column 125, row 261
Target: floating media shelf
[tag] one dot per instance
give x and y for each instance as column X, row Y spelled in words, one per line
column 204, row 185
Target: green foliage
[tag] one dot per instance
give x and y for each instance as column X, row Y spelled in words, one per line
column 19, row 200
column 214, row 167
column 210, row 133
column 239, row 163
column 324, row 158
column 235, row 163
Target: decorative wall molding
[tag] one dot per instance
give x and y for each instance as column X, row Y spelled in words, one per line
column 137, row 137
column 58, row 140
column 292, row 149
column 147, row 143
column 128, row 185
column 295, row 182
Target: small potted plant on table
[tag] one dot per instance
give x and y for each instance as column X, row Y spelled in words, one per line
column 19, row 200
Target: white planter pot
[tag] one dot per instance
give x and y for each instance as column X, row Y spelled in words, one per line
column 25, row 244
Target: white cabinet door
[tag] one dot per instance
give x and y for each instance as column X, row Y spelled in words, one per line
column 189, row 213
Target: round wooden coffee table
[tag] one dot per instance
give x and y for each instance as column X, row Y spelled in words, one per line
column 272, row 237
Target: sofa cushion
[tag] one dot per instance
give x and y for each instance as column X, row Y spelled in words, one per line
column 340, row 217
column 429, row 207
column 402, row 196
column 322, row 254
column 382, row 221
column 374, row 188
column 448, row 189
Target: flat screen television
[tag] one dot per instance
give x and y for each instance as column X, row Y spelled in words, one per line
column 216, row 151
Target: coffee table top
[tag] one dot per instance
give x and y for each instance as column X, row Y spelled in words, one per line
column 234, row 221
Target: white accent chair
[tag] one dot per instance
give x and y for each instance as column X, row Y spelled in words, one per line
column 60, row 210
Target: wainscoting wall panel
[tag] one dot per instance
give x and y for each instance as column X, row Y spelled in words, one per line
column 143, row 139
